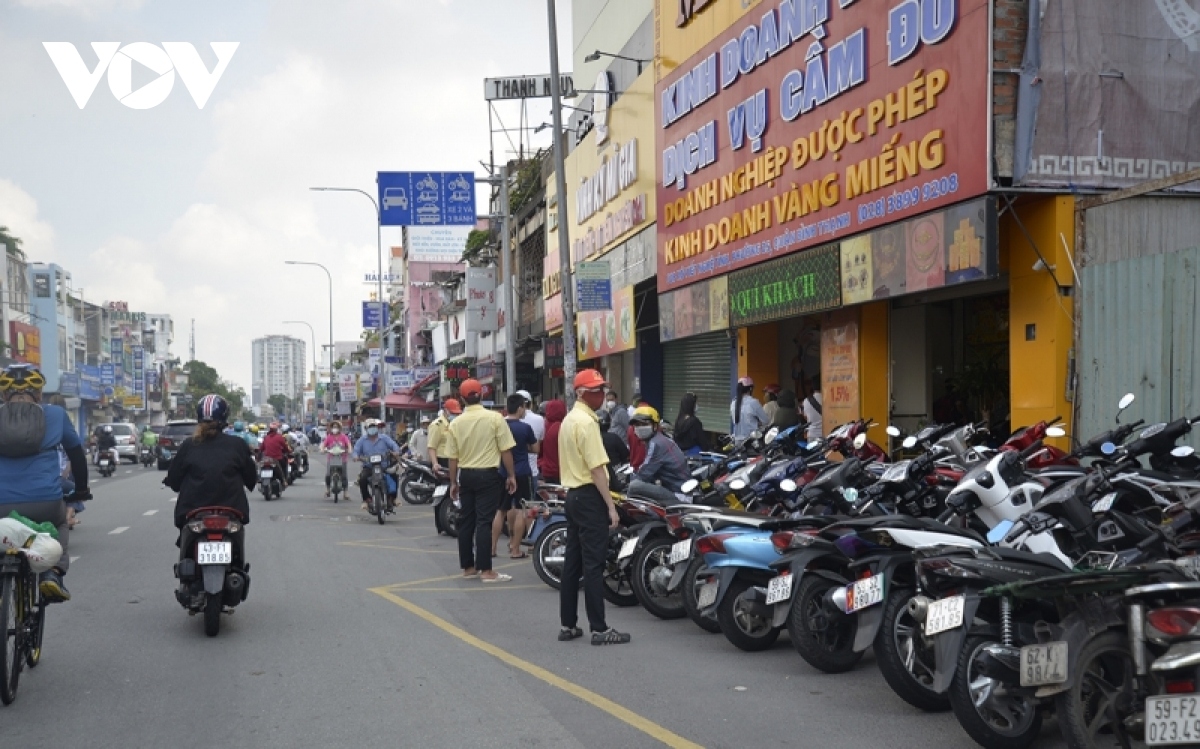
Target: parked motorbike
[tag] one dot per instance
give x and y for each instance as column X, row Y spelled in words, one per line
column 418, row 482
column 445, row 509
column 211, row 580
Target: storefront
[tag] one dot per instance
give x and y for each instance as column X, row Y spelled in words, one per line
column 698, row 351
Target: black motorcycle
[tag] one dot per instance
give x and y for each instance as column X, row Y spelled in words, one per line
column 146, row 456
column 213, row 578
column 418, row 483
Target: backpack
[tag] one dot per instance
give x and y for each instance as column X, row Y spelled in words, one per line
column 22, row 429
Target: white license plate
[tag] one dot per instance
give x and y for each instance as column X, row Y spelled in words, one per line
column 681, row 551
column 441, row 491
column 945, row 614
column 267, row 473
column 1043, row 664
column 1173, row 721
column 864, row 593
column 706, row 595
column 103, row 463
column 779, row 589
column 627, row 548
column 376, row 458
column 214, row 552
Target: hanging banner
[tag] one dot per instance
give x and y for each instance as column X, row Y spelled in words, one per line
column 482, row 307
column 398, row 379
column 839, row 375
column 348, row 386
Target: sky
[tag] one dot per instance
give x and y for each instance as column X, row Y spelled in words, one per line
column 188, row 211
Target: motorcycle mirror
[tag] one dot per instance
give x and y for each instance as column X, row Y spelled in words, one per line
column 689, row 486
column 772, row 433
column 909, row 442
column 997, row 534
column 860, row 440
column 1183, row 451
column 1108, row 448
column 787, row 485
column 1056, row 432
column 737, row 485
column 893, row 430
column 756, row 435
column 1124, row 403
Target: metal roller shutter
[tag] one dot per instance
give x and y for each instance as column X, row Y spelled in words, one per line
column 700, row 365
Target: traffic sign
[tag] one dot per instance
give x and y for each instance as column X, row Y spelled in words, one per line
column 593, row 284
column 374, row 315
column 426, row 198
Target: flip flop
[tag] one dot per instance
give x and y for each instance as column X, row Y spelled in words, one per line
column 499, row 578
column 522, row 555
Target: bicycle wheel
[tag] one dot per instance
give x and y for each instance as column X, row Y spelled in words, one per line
column 10, row 654
column 380, row 503
column 37, row 627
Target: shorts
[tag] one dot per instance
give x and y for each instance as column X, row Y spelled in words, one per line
column 518, row 500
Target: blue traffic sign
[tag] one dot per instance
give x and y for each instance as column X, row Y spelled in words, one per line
column 426, row 198
column 374, row 315
column 108, row 374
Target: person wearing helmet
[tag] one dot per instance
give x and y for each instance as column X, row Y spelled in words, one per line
column 30, row 472
column 373, row 442
column 746, row 413
column 106, row 441
column 770, row 400
column 240, row 431
column 150, row 439
column 275, row 446
column 211, row 469
column 437, row 435
column 665, row 468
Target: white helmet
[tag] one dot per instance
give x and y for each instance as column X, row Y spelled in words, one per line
column 284, row 428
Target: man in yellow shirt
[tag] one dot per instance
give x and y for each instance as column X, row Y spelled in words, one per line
column 437, row 435
column 476, row 444
column 590, row 513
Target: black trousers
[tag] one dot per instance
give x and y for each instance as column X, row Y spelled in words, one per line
column 479, row 491
column 587, row 548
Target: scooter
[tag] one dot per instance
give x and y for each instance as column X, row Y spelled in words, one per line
column 146, row 456
column 268, row 482
column 418, row 482
column 210, row 579
column 109, row 460
column 337, row 474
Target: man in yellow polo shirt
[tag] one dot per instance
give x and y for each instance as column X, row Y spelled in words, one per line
column 437, row 435
column 476, row 444
column 590, row 513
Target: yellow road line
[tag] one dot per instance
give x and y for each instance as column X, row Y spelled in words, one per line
column 442, row 578
column 623, row 714
column 475, row 588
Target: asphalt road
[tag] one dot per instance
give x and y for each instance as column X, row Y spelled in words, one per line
column 361, row 635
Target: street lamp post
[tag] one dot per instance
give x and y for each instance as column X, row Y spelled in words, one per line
column 314, row 358
column 564, row 243
column 329, row 392
column 379, row 251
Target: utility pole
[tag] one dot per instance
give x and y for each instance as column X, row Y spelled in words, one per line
column 564, row 242
column 192, row 345
column 507, row 269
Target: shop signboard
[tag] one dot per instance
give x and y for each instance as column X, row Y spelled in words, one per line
column 68, row 384
column 697, row 309
column 348, row 386
column 89, row 383
column 482, row 305
column 398, row 379
column 787, row 287
column 133, row 403
column 942, row 248
column 553, row 313
column 815, row 120
column 593, row 287
column 26, row 342
column 607, row 331
column 839, row 375
column 108, row 375
column 374, row 315
column 682, row 27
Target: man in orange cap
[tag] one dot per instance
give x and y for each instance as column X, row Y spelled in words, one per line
column 437, row 435
column 590, row 513
column 477, row 443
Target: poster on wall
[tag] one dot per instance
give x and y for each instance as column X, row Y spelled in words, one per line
column 791, row 130
column 608, row 331
column 437, row 244
column 839, row 375
column 695, row 310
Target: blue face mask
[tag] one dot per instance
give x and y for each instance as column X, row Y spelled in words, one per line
column 372, row 431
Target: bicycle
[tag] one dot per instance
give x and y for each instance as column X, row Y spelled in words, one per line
column 23, row 613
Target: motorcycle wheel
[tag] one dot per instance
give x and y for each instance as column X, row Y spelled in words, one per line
column 551, row 544
column 648, row 583
column 693, row 578
column 742, row 628
column 446, row 518
column 411, row 496
column 618, row 588
column 335, row 486
column 378, row 504
column 905, row 657
column 1106, row 681
column 989, row 715
column 212, row 615
column 823, row 638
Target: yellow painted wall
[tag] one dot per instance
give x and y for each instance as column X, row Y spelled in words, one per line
column 1039, row 366
column 758, row 355
column 675, row 44
column 873, row 364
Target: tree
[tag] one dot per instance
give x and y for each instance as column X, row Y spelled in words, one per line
column 203, row 379
column 12, row 245
column 280, row 403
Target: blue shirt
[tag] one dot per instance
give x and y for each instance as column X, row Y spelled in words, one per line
column 38, row 477
column 380, row 445
column 524, row 437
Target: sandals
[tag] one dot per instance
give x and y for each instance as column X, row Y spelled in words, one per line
column 499, row 578
column 610, row 636
column 522, row 555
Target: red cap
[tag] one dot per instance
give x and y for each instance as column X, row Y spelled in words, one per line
column 773, row 388
column 589, row 378
column 453, row 406
column 469, row 388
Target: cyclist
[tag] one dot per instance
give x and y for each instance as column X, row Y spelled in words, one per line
column 373, row 442
column 30, row 474
column 335, row 438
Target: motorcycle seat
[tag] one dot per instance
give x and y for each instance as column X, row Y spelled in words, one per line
column 1020, row 555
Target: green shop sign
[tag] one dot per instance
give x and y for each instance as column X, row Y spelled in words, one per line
column 809, row 281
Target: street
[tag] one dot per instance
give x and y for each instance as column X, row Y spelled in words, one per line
column 356, row 635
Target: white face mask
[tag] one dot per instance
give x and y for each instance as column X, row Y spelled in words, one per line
column 644, row 433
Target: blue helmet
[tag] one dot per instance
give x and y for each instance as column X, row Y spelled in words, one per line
column 239, row 426
column 212, row 407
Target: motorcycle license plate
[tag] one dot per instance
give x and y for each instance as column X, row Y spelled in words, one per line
column 945, row 614
column 1043, row 664
column 864, row 593
column 706, row 595
column 681, row 551
column 104, row 464
column 779, row 589
column 628, row 548
column 376, row 458
column 267, row 473
column 214, row 552
column 441, row 491
column 1173, row 721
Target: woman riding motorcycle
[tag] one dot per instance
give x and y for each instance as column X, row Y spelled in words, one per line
column 335, row 438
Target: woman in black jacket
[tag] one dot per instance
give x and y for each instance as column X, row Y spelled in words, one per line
column 786, row 415
column 211, row 469
column 689, row 432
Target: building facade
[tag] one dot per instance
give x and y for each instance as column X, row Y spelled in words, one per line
column 278, row 367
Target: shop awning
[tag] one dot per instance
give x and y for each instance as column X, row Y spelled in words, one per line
column 404, row 402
